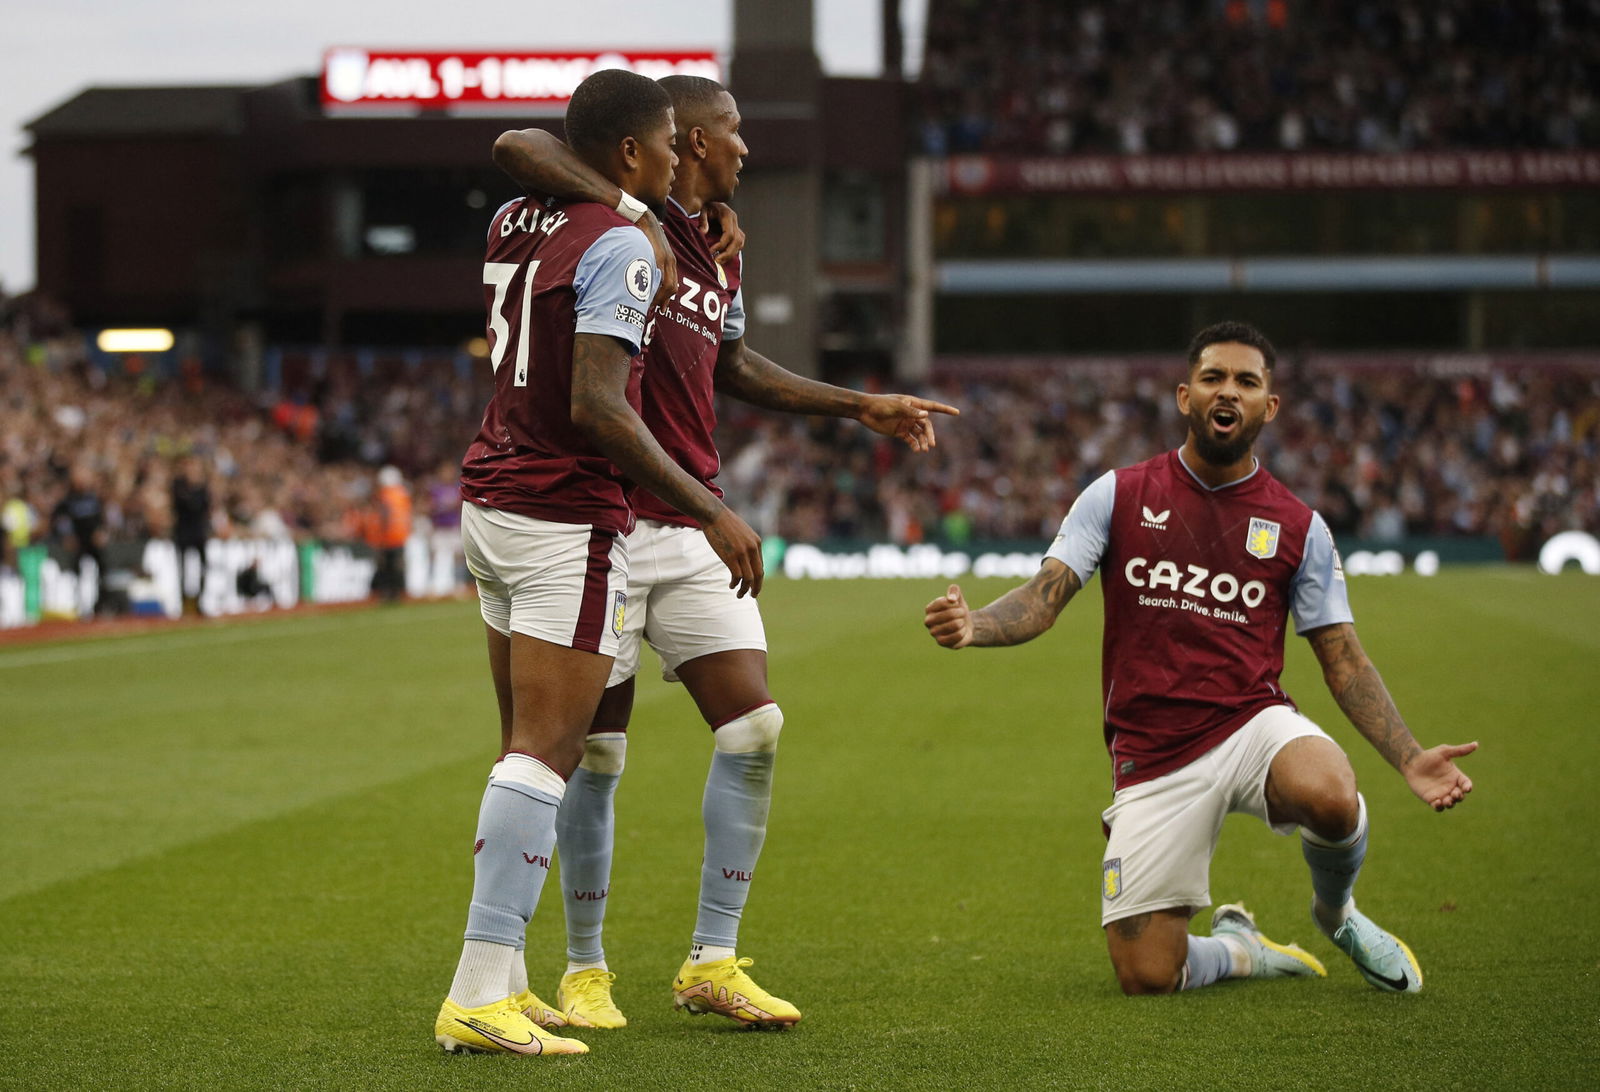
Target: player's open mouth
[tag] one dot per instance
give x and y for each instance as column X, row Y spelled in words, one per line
column 1224, row 420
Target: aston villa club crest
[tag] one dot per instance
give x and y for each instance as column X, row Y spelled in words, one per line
column 1111, row 878
column 722, row 277
column 1262, row 539
column 619, row 609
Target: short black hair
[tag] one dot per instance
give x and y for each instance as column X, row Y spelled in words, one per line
column 694, row 99
column 611, row 104
column 1242, row 332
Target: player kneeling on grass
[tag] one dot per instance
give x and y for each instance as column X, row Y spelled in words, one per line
column 1204, row 556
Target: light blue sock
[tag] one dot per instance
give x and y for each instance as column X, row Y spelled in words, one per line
column 585, row 832
column 737, row 799
column 1335, row 865
column 1209, row 959
column 511, row 857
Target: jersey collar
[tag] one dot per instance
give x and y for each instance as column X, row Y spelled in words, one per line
column 1254, row 470
column 686, row 214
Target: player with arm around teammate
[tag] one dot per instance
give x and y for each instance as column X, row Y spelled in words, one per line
column 1204, row 556
column 544, row 517
column 678, row 599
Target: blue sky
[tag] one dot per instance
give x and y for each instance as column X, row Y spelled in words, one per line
column 56, row 48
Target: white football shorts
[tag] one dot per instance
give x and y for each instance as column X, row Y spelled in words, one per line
column 1164, row 831
column 565, row 583
column 679, row 601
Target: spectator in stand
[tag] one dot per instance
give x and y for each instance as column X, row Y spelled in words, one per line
column 18, row 520
column 77, row 523
column 1506, row 454
column 444, row 515
column 388, row 528
column 191, row 524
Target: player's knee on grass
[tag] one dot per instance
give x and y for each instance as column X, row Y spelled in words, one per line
column 1148, row 972
column 1147, row 951
column 755, row 731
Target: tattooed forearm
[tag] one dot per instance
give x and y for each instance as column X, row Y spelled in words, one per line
column 1024, row 613
column 751, row 377
column 600, row 409
column 1359, row 690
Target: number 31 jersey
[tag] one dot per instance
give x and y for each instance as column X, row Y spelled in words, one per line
column 553, row 270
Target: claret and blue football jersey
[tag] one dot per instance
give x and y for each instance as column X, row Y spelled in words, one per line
column 554, row 269
column 680, row 358
column 1198, row 583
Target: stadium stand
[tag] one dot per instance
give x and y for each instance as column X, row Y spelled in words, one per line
column 1384, row 452
column 269, row 476
column 1174, row 76
column 1496, row 446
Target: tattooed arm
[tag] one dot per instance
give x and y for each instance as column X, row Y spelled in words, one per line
column 1019, row 615
column 1355, row 684
column 601, row 412
column 750, row 377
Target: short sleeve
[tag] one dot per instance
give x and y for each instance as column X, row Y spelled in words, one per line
column 1081, row 542
column 614, row 281
column 1318, row 589
column 733, row 323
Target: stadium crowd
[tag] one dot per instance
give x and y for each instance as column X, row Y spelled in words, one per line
column 1382, row 454
column 92, row 456
column 1181, row 76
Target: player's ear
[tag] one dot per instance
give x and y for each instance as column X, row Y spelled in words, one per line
column 628, row 150
column 1272, row 406
column 1183, row 399
column 697, row 141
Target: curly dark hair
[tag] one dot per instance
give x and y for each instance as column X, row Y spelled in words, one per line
column 1241, row 332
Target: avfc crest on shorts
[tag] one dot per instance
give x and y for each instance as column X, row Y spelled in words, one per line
column 1262, row 539
column 619, row 609
column 1111, row 879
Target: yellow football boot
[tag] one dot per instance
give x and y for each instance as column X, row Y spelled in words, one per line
column 585, row 1000
column 722, row 987
column 544, row 1015
column 497, row 1028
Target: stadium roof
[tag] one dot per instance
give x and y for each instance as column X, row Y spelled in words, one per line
column 145, row 111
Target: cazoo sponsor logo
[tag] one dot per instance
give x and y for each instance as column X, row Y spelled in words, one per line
column 1194, row 588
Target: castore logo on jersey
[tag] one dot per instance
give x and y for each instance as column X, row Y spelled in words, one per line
column 1156, row 521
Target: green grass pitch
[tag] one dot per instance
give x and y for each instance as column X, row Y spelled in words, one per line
column 239, row 858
